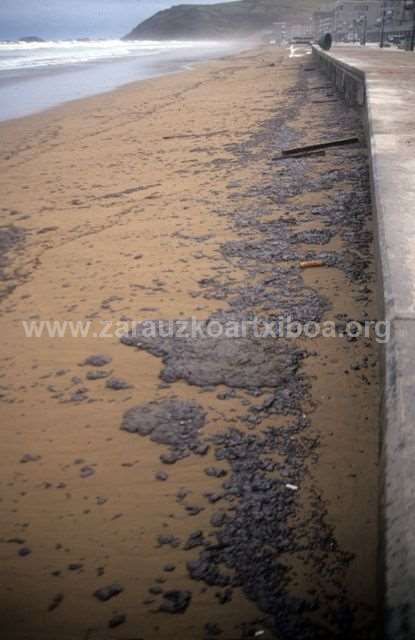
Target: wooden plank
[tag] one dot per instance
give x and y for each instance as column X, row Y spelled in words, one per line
column 341, row 142
column 305, row 154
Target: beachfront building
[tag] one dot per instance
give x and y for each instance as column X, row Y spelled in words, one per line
column 282, row 33
column 276, row 34
column 279, row 32
column 347, row 18
column 399, row 20
column 323, row 22
column 303, row 30
column 351, row 20
column 360, row 20
column 353, row 16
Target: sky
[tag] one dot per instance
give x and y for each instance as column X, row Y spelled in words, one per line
column 58, row 19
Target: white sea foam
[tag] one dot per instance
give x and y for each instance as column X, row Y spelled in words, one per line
column 24, row 55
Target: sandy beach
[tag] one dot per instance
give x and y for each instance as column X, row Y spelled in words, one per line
column 161, row 201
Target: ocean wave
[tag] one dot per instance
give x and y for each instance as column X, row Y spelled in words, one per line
column 23, row 55
column 137, row 44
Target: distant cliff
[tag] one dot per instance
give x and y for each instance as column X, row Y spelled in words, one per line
column 224, row 20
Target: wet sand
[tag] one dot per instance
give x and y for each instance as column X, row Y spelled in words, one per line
column 161, row 201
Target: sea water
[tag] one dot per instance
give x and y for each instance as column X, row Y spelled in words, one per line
column 39, row 75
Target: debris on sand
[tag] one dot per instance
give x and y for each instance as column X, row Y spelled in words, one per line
column 97, row 375
column 11, row 239
column 106, row 593
column 56, row 601
column 175, row 601
column 117, row 384
column 30, row 457
column 172, row 421
column 86, row 471
column 117, row 620
column 340, row 142
column 245, row 362
column 97, row 360
column 312, row 264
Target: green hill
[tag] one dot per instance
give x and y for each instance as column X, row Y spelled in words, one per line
column 224, row 20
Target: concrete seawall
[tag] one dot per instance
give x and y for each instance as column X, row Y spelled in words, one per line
column 382, row 83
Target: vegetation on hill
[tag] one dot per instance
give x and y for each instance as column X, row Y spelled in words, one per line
column 223, row 20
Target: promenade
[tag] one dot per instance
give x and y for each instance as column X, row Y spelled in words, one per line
column 383, row 82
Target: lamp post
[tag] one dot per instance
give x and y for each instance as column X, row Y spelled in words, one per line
column 382, row 29
column 363, row 21
column 409, row 5
column 355, row 31
column 412, row 43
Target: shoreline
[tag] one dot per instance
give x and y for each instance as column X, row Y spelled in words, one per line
column 161, row 201
column 152, row 68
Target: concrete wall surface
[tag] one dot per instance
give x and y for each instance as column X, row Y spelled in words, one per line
column 383, row 81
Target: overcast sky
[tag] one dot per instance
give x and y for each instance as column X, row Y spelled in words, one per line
column 51, row 19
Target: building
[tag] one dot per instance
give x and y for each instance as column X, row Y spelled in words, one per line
column 343, row 19
column 280, row 32
column 398, row 23
column 323, row 22
column 277, row 34
column 361, row 20
column 395, row 12
column 352, row 16
column 304, row 30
